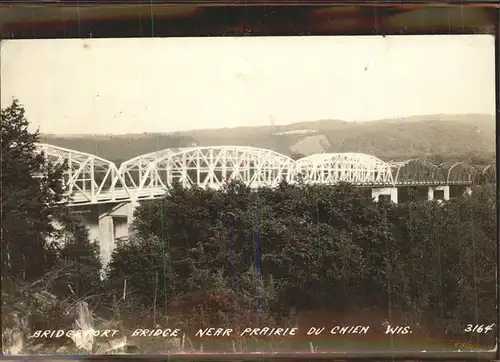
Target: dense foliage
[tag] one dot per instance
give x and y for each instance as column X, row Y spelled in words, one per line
column 27, row 203
column 330, row 251
column 48, row 261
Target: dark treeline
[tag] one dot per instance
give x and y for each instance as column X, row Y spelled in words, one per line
column 46, row 267
column 236, row 257
column 290, row 256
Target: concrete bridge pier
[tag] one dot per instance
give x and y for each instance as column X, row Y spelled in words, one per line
column 113, row 223
column 106, row 237
column 389, row 193
column 438, row 193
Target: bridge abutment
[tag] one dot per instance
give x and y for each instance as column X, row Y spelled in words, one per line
column 390, row 193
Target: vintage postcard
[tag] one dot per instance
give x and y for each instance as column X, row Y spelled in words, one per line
column 248, row 195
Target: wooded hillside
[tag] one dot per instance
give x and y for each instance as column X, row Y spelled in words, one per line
column 448, row 136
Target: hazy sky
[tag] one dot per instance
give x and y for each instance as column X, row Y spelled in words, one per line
column 167, row 84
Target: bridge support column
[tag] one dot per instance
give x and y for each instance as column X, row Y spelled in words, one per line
column 114, row 223
column 438, row 192
column 106, row 238
column 388, row 192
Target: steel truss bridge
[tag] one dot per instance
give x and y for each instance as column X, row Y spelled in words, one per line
column 90, row 179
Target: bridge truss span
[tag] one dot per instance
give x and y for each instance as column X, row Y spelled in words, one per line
column 88, row 179
column 463, row 173
column 139, row 174
column 419, row 171
column 354, row 168
column 489, row 173
column 206, row 167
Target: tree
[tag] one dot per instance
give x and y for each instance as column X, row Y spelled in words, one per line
column 238, row 257
column 31, row 188
column 44, row 269
column 78, row 257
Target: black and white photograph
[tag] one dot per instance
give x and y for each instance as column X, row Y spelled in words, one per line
column 248, row 194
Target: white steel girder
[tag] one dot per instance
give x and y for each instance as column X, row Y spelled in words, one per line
column 207, row 167
column 354, row 168
column 135, row 173
column 91, row 179
column 88, row 179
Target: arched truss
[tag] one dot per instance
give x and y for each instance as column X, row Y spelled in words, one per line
column 419, row 172
column 91, row 179
column 463, row 173
column 207, row 167
column 355, row 168
column 138, row 168
column 88, row 179
column 490, row 173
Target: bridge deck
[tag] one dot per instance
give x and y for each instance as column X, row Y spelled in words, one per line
column 148, row 193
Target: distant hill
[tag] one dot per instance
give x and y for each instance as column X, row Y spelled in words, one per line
column 453, row 137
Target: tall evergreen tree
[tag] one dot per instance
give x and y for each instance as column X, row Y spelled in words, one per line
column 78, row 260
column 30, row 188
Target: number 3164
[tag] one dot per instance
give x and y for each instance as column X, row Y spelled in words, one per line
column 479, row 328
